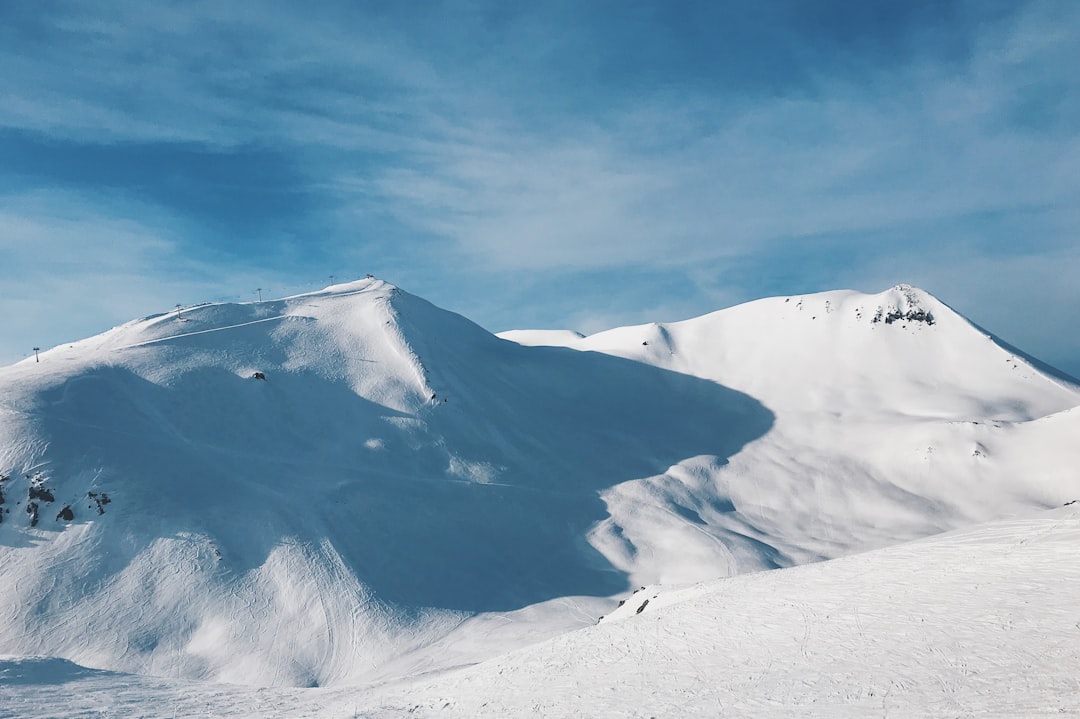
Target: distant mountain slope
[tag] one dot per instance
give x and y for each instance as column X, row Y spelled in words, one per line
column 542, row 338
column 899, row 351
column 354, row 484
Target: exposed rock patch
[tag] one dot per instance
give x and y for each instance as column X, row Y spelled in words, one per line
column 100, row 499
column 37, row 491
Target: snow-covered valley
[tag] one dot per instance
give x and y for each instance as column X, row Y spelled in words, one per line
column 358, row 491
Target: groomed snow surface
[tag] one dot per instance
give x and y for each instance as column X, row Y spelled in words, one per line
column 352, row 502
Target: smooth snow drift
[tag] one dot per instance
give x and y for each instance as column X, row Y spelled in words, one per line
column 354, row 485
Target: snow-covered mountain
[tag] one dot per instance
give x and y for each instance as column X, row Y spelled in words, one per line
column 355, row 485
column 896, row 418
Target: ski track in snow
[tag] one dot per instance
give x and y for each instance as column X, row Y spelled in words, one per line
column 182, row 335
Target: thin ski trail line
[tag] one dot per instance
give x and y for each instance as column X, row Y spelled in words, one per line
column 203, row 332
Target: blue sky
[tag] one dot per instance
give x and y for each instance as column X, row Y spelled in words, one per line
column 547, row 164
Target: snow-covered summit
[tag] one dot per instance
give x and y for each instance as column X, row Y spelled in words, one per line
column 901, row 350
column 336, row 333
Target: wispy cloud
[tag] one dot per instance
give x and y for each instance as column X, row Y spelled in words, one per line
column 915, row 146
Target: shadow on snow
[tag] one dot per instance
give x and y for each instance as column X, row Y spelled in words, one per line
column 479, row 503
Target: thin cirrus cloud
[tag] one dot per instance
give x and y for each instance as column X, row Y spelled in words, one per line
column 557, row 158
column 921, row 147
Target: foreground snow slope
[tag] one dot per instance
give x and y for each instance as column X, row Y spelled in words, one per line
column 405, row 492
column 981, row 622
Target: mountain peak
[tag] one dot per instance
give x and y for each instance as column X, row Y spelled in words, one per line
column 906, row 303
column 900, row 350
column 368, row 283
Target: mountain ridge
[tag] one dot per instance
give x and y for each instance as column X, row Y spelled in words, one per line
column 398, row 478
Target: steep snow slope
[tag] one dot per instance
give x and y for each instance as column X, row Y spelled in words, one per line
column 895, row 418
column 398, row 470
column 981, row 622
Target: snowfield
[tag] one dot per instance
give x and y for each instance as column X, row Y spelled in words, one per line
column 981, row 622
column 354, row 502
